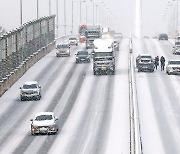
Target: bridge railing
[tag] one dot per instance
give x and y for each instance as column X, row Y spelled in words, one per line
column 22, row 47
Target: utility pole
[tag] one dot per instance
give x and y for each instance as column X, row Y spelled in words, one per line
column 21, row 12
column 37, row 9
column 138, row 23
column 65, row 17
column 57, row 17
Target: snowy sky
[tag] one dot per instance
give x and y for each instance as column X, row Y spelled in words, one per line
column 120, row 14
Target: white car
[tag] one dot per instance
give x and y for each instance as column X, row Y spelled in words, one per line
column 63, row 50
column 173, row 67
column 73, row 41
column 30, row 90
column 176, row 50
column 44, row 123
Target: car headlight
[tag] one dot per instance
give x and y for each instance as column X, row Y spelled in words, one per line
column 22, row 92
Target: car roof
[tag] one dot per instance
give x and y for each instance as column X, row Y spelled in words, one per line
column 82, row 51
column 30, row 82
column 144, row 54
column 44, row 113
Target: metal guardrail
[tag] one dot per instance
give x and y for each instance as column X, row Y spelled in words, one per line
column 14, row 75
column 24, row 46
column 17, row 45
column 135, row 131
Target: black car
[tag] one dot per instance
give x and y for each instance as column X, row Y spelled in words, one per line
column 144, row 62
column 142, row 56
column 82, row 56
column 163, row 37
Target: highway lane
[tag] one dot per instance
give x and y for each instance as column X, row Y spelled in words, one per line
column 93, row 111
column 158, row 101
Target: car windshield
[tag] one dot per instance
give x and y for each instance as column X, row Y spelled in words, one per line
column 103, row 54
column 62, row 46
column 44, row 117
column 82, row 53
column 31, row 86
column 174, row 62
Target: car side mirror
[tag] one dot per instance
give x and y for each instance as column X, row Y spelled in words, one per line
column 20, row 87
column 39, row 86
column 31, row 120
column 56, row 118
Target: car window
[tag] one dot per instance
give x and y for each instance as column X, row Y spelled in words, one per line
column 145, row 60
column 32, row 86
column 44, row 117
column 175, row 62
column 82, row 53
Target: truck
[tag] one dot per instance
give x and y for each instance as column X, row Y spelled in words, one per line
column 92, row 32
column 81, row 31
column 103, row 57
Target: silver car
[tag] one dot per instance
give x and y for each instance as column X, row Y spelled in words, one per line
column 63, row 50
column 44, row 123
column 30, row 90
column 176, row 50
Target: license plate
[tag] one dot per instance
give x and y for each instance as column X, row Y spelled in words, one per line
column 43, row 129
column 103, row 68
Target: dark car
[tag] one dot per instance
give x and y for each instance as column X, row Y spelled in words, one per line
column 163, row 37
column 140, row 56
column 82, row 56
column 145, row 62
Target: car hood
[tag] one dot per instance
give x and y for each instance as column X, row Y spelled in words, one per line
column 43, row 123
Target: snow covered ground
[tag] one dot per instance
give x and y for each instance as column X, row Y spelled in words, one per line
column 93, row 111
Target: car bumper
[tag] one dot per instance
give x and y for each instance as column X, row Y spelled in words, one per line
column 44, row 130
column 62, row 54
column 83, row 60
column 145, row 68
column 30, row 96
column 174, row 72
column 104, row 69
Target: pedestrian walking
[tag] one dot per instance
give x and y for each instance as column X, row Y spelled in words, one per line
column 162, row 60
column 156, row 62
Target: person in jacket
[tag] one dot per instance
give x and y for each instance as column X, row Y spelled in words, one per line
column 156, row 62
column 162, row 60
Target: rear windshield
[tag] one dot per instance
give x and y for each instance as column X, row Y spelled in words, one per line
column 145, row 60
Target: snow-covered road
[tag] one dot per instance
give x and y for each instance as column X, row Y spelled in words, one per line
column 159, row 102
column 93, row 111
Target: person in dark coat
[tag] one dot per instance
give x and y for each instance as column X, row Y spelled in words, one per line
column 162, row 60
column 156, row 62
